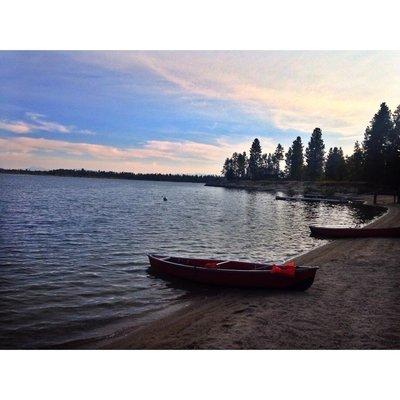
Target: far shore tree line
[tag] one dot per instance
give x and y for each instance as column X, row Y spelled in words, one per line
column 375, row 160
column 84, row 173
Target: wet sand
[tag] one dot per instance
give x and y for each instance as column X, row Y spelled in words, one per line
column 354, row 303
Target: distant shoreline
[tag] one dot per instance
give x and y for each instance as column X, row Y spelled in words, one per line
column 327, row 188
column 289, row 187
column 82, row 173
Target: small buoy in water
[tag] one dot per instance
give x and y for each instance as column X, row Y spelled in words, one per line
column 164, row 198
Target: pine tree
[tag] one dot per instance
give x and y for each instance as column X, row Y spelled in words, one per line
column 277, row 158
column 242, row 165
column 266, row 166
column 392, row 152
column 375, row 144
column 335, row 165
column 341, row 165
column 255, row 160
column 227, row 169
column 377, row 160
column 288, row 162
column 297, row 160
column 330, row 165
column 315, row 153
column 235, row 166
column 355, row 164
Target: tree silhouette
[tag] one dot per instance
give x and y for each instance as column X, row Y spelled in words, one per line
column 315, row 153
column 376, row 144
column 227, row 169
column 288, row 162
column 84, row 173
column 277, row 158
column 377, row 160
column 295, row 160
column 242, row 163
column 392, row 151
column 355, row 164
column 266, row 166
column 235, row 166
column 255, row 160
column 335, row 167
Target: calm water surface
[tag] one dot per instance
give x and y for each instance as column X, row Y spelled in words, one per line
column 73, row 250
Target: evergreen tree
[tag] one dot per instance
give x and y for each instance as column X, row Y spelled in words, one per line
column 279, row 152
column 377, row 160
column 295, row 160
column 270, row 168
column 335, row 165
column 255, row 160
column 227, row 169
column 266, row 166
column 315, row 153
column 330, row 164
column 355, row 164
column 235, row 166
column 276, row 159
column 242, row 165
column 288, row 162
column 392, row 151
column 341, row 165
column 375, row 144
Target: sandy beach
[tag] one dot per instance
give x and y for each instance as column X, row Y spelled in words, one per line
column 353, row 304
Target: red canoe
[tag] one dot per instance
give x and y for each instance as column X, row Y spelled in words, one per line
column 337, row 233
column 235, row 273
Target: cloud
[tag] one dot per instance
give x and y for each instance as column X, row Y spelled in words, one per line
column 338, row 91
column 35, row 122
column 18, row 127
column 154, row 156
column 35, row 116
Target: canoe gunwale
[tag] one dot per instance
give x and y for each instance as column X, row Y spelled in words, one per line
column 175, row 267
column 262, row 271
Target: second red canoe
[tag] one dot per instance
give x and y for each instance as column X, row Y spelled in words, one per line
column 338, row 233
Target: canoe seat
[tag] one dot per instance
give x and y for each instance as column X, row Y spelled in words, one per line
column 213, row 264
column 222, row 263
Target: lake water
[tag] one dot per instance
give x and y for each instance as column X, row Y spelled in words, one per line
column 73, row 250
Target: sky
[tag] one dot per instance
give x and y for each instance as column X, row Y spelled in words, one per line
column 183, row 112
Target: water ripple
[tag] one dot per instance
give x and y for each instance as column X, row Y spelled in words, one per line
column 73, row 251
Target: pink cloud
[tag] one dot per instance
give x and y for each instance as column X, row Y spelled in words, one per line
column 38, row 123
column 153, row 156
column 18, row 127
column 294, row 90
